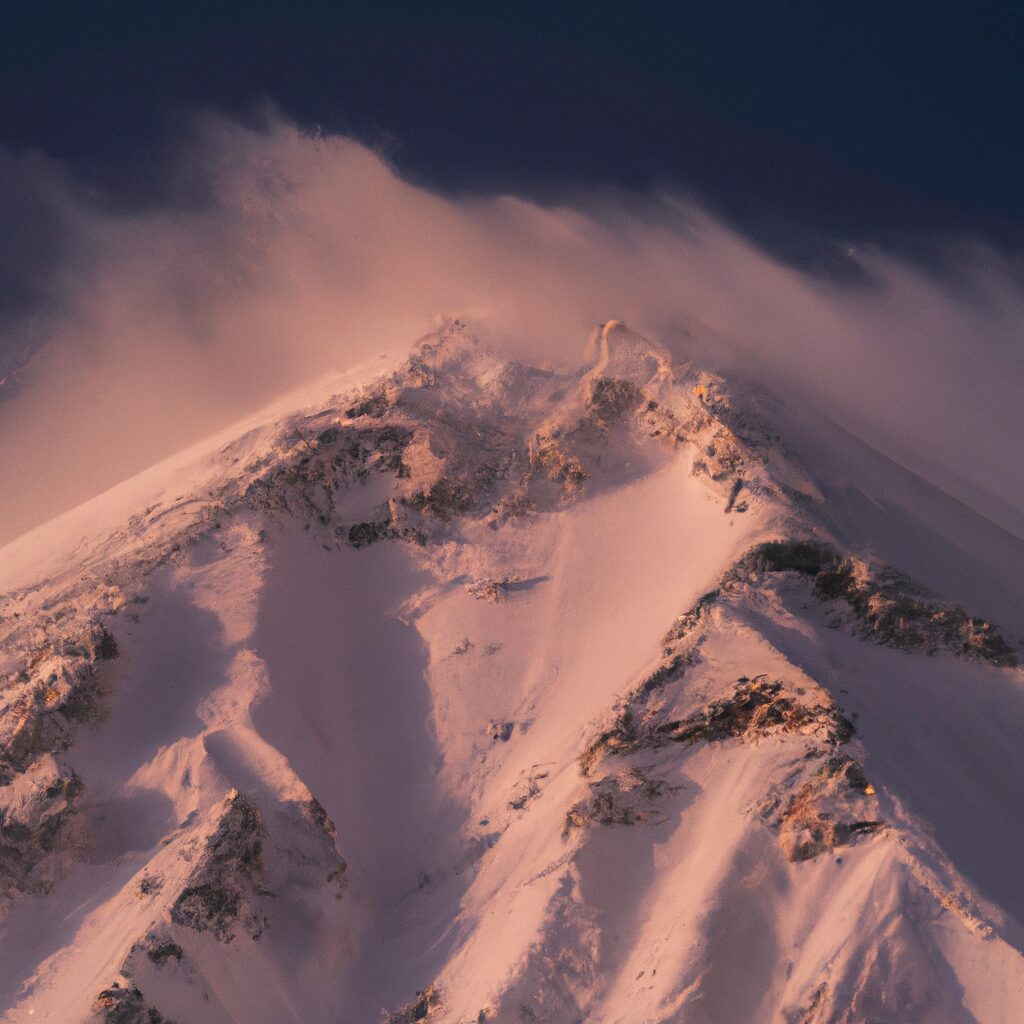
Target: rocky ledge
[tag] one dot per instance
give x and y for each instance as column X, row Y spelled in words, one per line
column 824, row 803
column 884, row 605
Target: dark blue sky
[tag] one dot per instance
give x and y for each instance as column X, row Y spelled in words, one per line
column 862, row 119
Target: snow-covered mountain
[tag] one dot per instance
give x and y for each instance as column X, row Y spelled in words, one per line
column 459, row 690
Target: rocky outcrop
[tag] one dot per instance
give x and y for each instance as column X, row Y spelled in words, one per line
column 499, row 730
column 223, row 891
column 314, row 840
column 629, row 797
column 884, row 605
column 40, row 827
column 680, row 649
column 830, row 808
column 125, row 1004
column 422, row 1007
column 756, row 708
column 826, row 803
column 311, row 474
column 550, row 458
column 41, row 706
column 489, row 588
column 610, row 399
column 160, row 949
column 56, row 688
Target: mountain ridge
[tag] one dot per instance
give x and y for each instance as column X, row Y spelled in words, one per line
column 441, row 595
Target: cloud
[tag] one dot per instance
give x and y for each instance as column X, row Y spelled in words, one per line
column 149, row 329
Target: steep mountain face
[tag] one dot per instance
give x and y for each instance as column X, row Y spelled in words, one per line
column 460, row 690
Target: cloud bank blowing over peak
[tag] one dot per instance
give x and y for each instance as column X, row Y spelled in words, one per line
column 279, row 255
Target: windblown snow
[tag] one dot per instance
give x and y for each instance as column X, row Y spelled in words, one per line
column 457, row 690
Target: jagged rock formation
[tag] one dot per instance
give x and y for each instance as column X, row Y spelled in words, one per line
column 627, row 798
column 56, row 688
column 818, row 806
column 420, row 1008
column 161, row 950
column 39, row 826
column 423, row 605
column 883, row 603
column 825, row 811
column 225, row 886
column 120, row 1005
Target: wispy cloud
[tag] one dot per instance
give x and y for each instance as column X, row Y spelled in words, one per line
column 151, row 329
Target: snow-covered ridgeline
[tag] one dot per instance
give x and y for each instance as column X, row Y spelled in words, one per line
column 431, row 608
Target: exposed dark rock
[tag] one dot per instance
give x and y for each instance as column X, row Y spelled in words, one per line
column 826, row 811
column 374, row 404
column 58, row 688
column 809, row 1012
column 827, row 804
column 361, row 535
column 421, row 1008
column 209, row 906
column 225, row 884
column 150, row 884
column 629, row 797
column 511, row 506
column 443, row 499
column 806, row 557
column 160, row 950
column 610, row 399
column 547, row 455
column 125, row 1005
column 757, row 708
column 680, row 649
column 105, row 645
column 720, row 458
column 313, row 811
column 499, row 730
column 494, row 589
column 308, row 480
column 40, row 827
column 887, row 607
column 689, row 623
column 734, row 504
column 322, row 844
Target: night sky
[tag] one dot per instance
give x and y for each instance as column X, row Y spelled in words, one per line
column 866, row 120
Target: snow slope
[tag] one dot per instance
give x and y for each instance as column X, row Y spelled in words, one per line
column 455, row 689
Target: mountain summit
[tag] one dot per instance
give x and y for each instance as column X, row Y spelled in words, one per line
column 462, row 690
